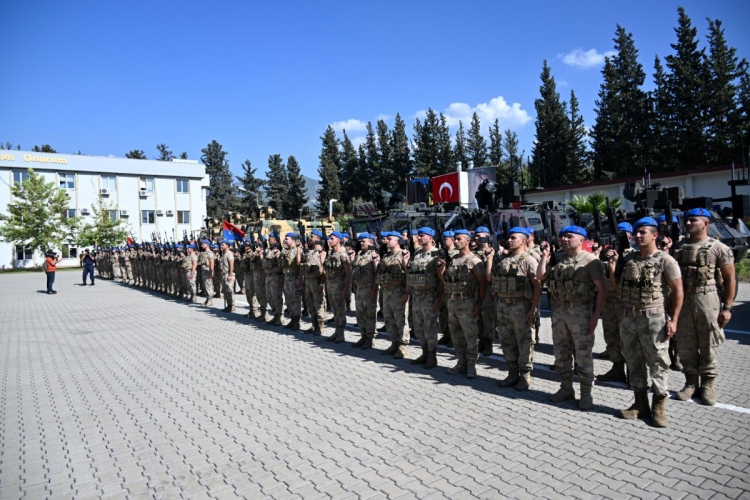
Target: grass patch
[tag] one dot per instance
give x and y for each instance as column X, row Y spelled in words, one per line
column 743, row 270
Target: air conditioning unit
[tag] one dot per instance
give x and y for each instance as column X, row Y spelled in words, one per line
column 123, row 213
column 169, row 213
column 159, row 213
column 104, row 192
column 84, row 211
column 143, row 192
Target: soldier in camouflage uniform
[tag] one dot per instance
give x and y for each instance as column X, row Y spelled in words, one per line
column 576, row 282
column 207, row 263
column 391, row 276
column 115, row 259
column 259, row 279
column 191, row 272
column 517, row 293
column 274, row 279
column 424, row 285
column 533, row 249
column 646, row 326
column 706, row 265
column 487, row 317
column 313, row 273
column 449, row 252
column 239, row 269
column 227, row 276
column 248, row 271
column 465, row 289
column 366, row 290
column 337, row 275
column 217, row 273
column 291, row 260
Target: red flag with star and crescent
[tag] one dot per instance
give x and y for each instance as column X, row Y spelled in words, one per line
column 445, row 188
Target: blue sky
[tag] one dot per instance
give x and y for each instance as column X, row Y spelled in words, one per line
column 268, row 77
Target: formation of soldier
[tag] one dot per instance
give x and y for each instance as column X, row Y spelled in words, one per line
column 472, row 292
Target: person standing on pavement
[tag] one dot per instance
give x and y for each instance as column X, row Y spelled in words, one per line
column 191, row 272
column 259, row 279
column 227, row 276
column 391, row 278
column 248, row 271
column 51, row 259
column 366, row 289
column 291, row 258
column 314, row 277
column 578, row 290
column 487, row 317
column 337, row 275
column 88, row 261
column 648, row 277
column 706, row 265
column 207, row 262
column 274, row 279
column 448, row 253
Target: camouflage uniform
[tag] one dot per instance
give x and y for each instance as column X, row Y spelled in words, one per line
column 292, row 293
column 191, row 282
column 227, row 279
column 461, row 292
column 423, row 284
column 335, row 284
column 116, row 272
column 259, row 275
column 239, row 270
column 363, row 279
column 487, row 317
column 537, row 255
column 272, row 268
column 391, row 277
column 204, row 262
column 248, row 265
column 313, row 270
column 217, row 281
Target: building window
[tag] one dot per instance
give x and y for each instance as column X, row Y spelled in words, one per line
column 69, row 251
column 67, row 181
column 19, row 177
column 182, row 185
column 70, row 213
column 112, row 215
column 24, row 253
column 109, row 182
column 183, row 217
column 147, row 183
column 147, row 216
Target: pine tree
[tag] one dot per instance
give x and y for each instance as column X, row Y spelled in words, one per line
column 328, row 171
column 277, row 184
column 460, row 148
column 659, row 147
column 221, row 197
column 477, row 145
column 578, row 154
column 426, row 146
column 512, row 169
column 136, row 154
column 164, row 153
column 686, row 90
column 743, row 98
column 372, row 166
column 446, row 162
column 183, row 155
column 550, row 151
column 251, row 196
column 45, row 148
column 496, row 144
column 400, row 152
column 384, row 175
column 350, row 173
column 297, row 192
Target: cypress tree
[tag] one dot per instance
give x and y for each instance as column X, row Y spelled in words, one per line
column 296, row 192
column 477, row 145
column 384, row 174
column 426, row 145
column 446, row 161
column 221, row 197
column 350, row 171
column 164, row 153
column 460, row 149
column 496, row 144
column 512, row 168
column 661, row 149
column 578, row 154
column 401, row 163
column 328, row 171
column 277, row 184
column 252, row 196
column 550, row 151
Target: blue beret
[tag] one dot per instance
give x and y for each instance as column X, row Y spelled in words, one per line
column 449, row 234
column 388, row 234
column 646, row 221
column 698, row 212
column 206, row 242
column 462, row 231
column 426, row 230
column 263, row 237
column 663, row 218
column 337, row 234
column 181, row 247
column 625, row 226
column 292, row 235
column 575, row 230
column 530, row 230
column 363, row 236
column 191, row 246
column 414, row 232
column 481, row 229
column 317, row 233
column 272, row 235
column 519, row 230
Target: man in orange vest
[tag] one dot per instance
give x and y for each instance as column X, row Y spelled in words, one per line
column 51, row 259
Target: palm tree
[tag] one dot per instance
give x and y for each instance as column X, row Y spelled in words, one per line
column 586, row 204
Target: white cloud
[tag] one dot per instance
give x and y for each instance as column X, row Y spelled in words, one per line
column 350, row 125
column 356, row 141
column 587, row 59
column 509, row 116
column 384, row 117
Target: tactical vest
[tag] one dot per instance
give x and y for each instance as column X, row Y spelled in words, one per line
column 641, row 282
column 312, row 266
column 270, row 261
column 334, row 266
column 288, row 260
column 186, row 264
column 459, row 278
column 205, row 260
column 697, row 271
column 419, row 277
column 565, row 284
column 363, row 271
column 506, row 282
column 390, row 271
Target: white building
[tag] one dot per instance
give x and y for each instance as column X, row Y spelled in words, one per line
column 152, row 196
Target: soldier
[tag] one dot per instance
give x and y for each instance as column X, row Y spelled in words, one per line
column 217, row 272
column 337, row 274
column 449, row 253
column 248, row 271
column 227, row 276
column 274, row 280
column 487, row 317
column 206, row 261
column 465, row 289
column 706, row 263
column 611, row 316
column 239, row 269
column 533, row 249
column 517, row 292
column 646, row 326
column 291, row 258
column 424, row 286
column 191, row 271
column 391, row 276
column 259, row 277
column 576, row 282
column 314, row 277
column 366, row 290
column 116, row 272
column 127, row 267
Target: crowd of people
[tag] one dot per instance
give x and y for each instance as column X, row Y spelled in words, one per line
column 471, row 292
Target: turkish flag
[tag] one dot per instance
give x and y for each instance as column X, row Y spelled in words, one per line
column 445, row 188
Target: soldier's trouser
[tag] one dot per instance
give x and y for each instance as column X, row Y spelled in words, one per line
column 489, row 310
column 217, row 281
column 316, row 306
column 464, row 328
column 645, row 347
column 208, row 284
column 227, row 290
column 570, row 325
column 116, row 273
column 338, row 305
column 260, row 291
column 239, row 278
column 292, row 295
column 128, row 272
column 250, row 292
column 190, row 284
column 698, row 334
column 365, row 310
column 516, row 338
column 611, row 316
column 443, row 318
column 273, row 293
column 425, row 318
column 394, row 313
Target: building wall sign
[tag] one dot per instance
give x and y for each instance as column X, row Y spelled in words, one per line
column 42, row 159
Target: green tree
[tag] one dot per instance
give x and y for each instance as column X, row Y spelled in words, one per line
column 351, row 181
column 164, row 153
column 401, row 161
column 550, row 151
column 277, row 184
column 297, row 192
column 136, row 154
column 384, row 174
column 9, row 146
column 45, row 148
column 586, row 204
column 477, row 145
column 426, row 161
column 578, row 153
column 460, row 152
column 221, row 197
column 103, row 230
column 251, row 196
column 496, row 144
column 659, row 99
column 743, row 98
column 511, row 170
column 35, row 218
column 183, row 155
column 328, row 172
column 446, row 161
column 371, row 168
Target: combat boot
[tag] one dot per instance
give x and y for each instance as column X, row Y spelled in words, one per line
column 340, row 336
column 691, row 384
column 367, row 344
column 333, row 336
column 659, row 411
column 471, row 369
column 524, row 382
column 615, row 374
column 422, row 359
column 482, row 343
column 271, row 320
column 639, row 409
column 290, row 324
column 277, row 321
column 361, row 341
column 460, row 367
column 319, row 330
column 295, row 323
column 445, row 339
column 390, row 350
column 487, row 351
column 566, row 391
column 209, row 302
column 708, row 396
column 431, row 360
column 512, row 377
column 603, row 355
column 401, row 352
column 587, row 400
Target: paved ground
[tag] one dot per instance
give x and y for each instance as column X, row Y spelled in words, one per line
column 110, row 391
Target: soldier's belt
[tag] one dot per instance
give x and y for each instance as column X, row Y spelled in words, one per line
column 392, row 286
column 290, row 270
column 568, row 303
column 642, row 313
column 274, row 273
column 511, row 300
column 695, row 290
column 461, row 296
column 423, row 292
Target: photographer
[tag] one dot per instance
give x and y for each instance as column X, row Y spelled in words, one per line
column 88, row 261
column 51, row 259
